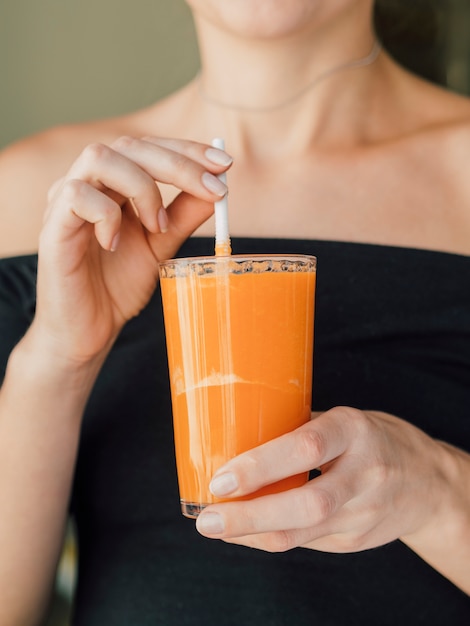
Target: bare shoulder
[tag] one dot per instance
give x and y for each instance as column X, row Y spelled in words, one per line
column 30, row 166
column 446, row 141
column 426, row 122
column 441, row 114
column 436, row 158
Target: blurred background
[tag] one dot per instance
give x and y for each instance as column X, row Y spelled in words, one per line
column 64, row 61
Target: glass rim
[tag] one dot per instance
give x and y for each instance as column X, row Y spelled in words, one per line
column 195, row 260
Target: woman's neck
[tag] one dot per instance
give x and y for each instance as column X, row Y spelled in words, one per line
column 295, row 89
column 291, row 99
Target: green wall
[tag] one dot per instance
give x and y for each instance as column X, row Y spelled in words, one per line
column 71, row 60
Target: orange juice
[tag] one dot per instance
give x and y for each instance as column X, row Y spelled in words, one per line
column 240, row 347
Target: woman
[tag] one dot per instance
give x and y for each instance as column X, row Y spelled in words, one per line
column 339, row 152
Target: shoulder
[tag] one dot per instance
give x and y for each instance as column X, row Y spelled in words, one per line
column 30, row 166
column 439, row 166
column 411, row 106
column 421, row 162
column 439, row 114
column 443, row 143
column 427, row 123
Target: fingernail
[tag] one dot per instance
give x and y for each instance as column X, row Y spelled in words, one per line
column 224, row 484
column 162, row 218
column 114, row 243
column 210, row 523
column 134, row 208
column 219, row 157
column 213, row 184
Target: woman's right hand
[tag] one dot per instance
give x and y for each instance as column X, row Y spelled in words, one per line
column 105, row 229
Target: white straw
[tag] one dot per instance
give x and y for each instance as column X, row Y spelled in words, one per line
column 222, row 237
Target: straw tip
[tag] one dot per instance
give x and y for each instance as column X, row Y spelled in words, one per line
column 219, row 143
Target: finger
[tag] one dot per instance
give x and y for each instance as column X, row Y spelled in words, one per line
column 54, row 188
column 83, row 203
column 353, row 529
column 276, row 541
column 213, row 158
column 311, row 506
column 316, row 538
column 107, row 169
column 173, row 167
column 306, row 448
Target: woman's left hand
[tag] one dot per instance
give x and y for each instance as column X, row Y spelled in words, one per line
column 381, row 479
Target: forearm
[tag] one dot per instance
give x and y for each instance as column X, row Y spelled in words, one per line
column 444, row 542
column 41, row 405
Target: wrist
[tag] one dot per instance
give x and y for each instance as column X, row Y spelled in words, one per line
column 39, row 361
column 443, row 539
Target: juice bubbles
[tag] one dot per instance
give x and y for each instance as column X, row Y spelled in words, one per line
column 240, row 347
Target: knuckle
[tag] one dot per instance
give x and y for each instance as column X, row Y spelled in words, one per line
column 124, row 142
column 280, row 541
column 318, row 505
column 72, row 190
column 355, row 417
column 95, row 152
column 379, row 473
column 310, row 444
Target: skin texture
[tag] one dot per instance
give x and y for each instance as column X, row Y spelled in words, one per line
column 344, row 162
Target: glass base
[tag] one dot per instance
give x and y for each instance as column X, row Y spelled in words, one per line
column 191, row 509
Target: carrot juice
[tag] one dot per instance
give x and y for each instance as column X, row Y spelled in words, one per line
column 239, row 334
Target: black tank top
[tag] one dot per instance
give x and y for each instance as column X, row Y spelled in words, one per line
column 392, row 333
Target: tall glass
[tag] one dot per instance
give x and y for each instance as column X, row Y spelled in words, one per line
column 239, row 333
